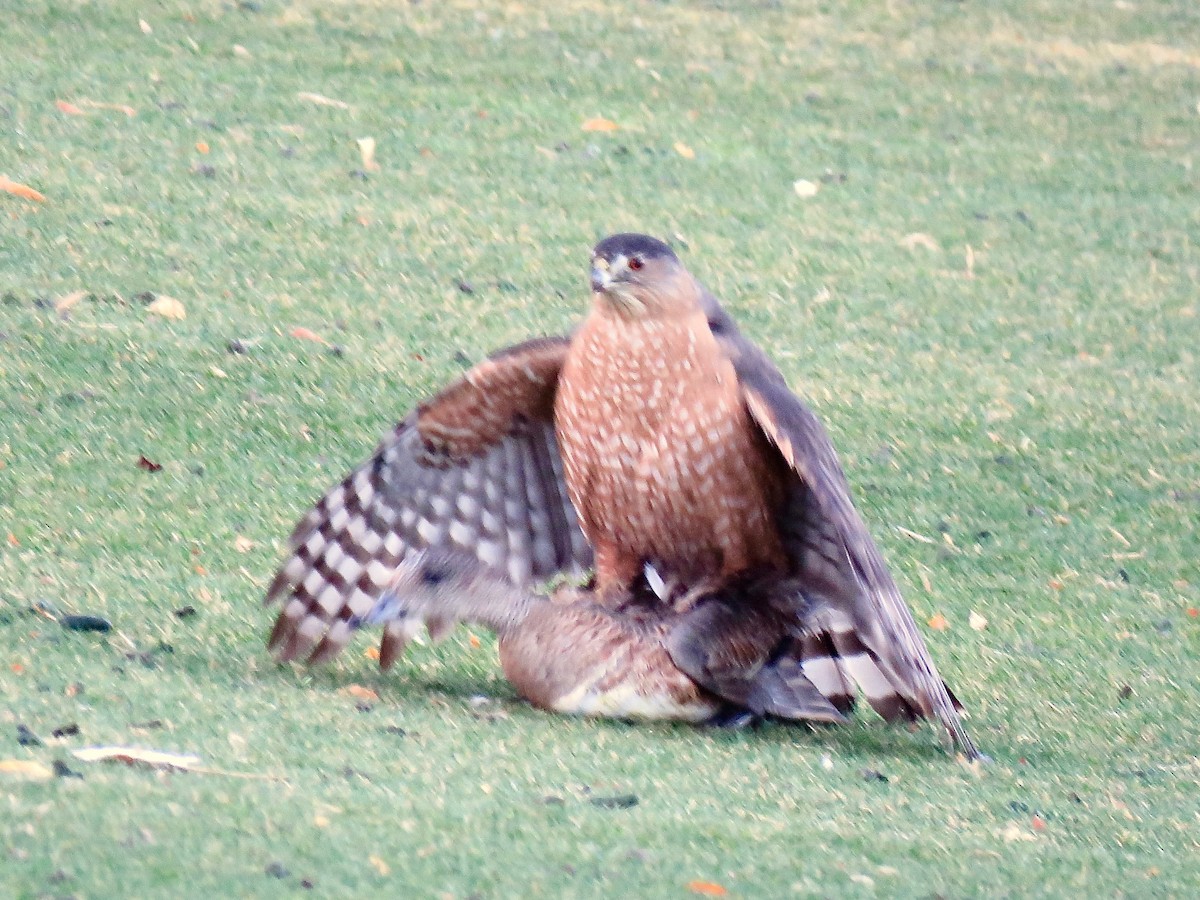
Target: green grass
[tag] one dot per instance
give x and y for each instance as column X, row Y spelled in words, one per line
column 1038, row 421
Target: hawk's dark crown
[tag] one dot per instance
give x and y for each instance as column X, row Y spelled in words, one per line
column 631, row 245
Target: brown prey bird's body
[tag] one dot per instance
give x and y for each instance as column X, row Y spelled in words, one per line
column 633, row 657
column 655, row 436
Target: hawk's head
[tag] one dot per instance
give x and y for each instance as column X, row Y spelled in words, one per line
column 640, row 276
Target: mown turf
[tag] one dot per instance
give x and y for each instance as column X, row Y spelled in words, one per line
column 991, row 300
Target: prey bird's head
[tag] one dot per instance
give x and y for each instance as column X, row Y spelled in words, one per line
column 640, row 277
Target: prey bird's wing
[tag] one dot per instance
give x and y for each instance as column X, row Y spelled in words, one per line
column 477, row 468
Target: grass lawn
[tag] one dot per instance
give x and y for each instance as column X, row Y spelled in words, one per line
column 993, row 300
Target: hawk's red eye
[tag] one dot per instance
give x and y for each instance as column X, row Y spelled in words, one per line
column 635, row 264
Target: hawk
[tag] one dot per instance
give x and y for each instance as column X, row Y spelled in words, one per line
column 656, row 437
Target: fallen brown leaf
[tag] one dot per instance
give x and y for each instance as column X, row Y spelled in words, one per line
column 156, row 759
column 322, row 100
column 919, row 239
column 358, row 692
column 684, row 150
column 119, row 107
column 69, row 108
column 707, row 888
column 380, row 866
column 600, row 124
column 305, row 334
column 64, row 303
column 167, row 307
column 148, row 464
column 24, row 191
column 202, row 147
column 243, row 544
column 366, row 148
column 26, row 768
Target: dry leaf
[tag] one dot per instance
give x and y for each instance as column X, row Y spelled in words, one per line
column 366, row 147
column 600, row 124
column 167, row 307
column 148, row 465
column 145, row 26
column 64, row 303
column 684, row 150
column 707, row 888
column 380, row 866
column 24, row 191
column 217, row 372
column 358, row 692
column 201, row 147
column 321, row 821
column 26, row 768
column 12, row 539
column 322, row 100
column 371, row 653
column 976, row 621
column 243, row 544
column 240, row 52
column 305, row 334
column 69, row 108
column 805, row 188
column 919, row 239
column 1015, row 832
column 157, row 759
column 119, row 107
column 938, row 622
column 474, row 642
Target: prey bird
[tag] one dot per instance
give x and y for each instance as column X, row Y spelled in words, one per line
column 728, row 657
column 656, row 437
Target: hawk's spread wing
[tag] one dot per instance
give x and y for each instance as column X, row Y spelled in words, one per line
column 865, row 634
column 477, row 467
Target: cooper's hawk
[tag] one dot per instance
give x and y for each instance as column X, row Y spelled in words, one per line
column 656, row 434
column 729, row 653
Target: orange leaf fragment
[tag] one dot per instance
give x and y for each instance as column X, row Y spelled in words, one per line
column 707, row 888
column 938, row 622
column 24, row 191
column 69, row 108
column 474, row 642
column 1039, row 824
column 1192, row 611
column 12, row 539
column 17, row 668
column 359, row 692
column 600, row 124
column 305, row 334
column 371, row 653
column 201, row 147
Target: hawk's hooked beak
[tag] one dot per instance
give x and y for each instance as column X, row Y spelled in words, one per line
column 601, row 277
